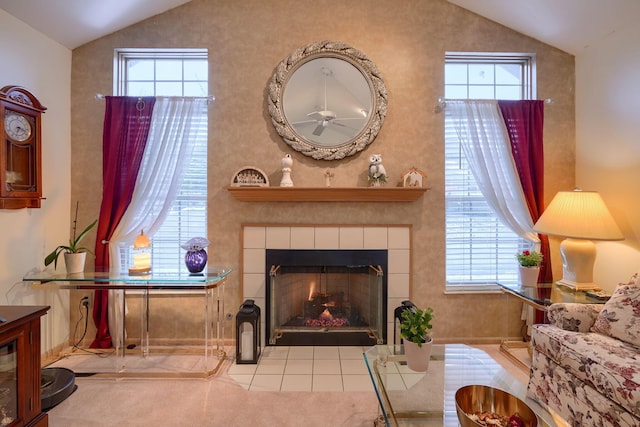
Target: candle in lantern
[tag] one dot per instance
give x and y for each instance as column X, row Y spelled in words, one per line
column 247, row 345
column 141, row 255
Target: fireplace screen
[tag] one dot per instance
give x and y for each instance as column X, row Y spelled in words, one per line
column 326, row 297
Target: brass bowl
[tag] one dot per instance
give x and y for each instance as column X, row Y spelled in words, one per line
column 479, row 398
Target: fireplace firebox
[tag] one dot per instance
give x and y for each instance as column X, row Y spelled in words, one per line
column 326, row 297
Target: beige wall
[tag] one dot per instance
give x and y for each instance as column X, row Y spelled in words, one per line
column 42, row 66
column 608, row 144
column 407, row 40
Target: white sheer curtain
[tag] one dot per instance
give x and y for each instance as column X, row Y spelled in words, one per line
column 174, row 130
column 485, row 143
column 172, row 137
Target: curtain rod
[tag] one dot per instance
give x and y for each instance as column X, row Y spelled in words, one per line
column 209, row 98
column 442, row 102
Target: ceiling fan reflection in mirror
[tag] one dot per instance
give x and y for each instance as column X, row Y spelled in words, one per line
column 325, row 117
column 327, row 100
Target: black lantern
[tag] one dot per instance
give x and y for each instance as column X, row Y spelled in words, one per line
column 248, row 333
column 397, row 319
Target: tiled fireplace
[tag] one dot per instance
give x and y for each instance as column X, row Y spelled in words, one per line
column 326, row 296
column 392, row 240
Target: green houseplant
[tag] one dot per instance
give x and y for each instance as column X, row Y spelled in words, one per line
column 529, row 258
column 529, row 267
column 73, row 247
column 415, row 328
column 416, row 325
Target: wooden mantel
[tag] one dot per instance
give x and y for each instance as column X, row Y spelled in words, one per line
column 327, row 194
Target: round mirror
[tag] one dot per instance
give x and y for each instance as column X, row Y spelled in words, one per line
column 327, row 100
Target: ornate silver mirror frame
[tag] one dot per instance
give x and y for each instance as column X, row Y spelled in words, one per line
column 327, row 100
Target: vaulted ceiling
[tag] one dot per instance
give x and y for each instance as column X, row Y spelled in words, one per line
column 570, row 25
column 73, row 23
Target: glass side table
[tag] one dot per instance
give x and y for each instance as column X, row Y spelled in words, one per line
column 531, row 301
column 427, row 398
column 559, row 293
column 210, row 285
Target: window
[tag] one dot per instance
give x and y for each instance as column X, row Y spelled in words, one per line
column 480, row 250
column 154, row 72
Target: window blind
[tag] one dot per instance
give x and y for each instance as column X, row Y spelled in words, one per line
column 480, row 250
column 171, row 72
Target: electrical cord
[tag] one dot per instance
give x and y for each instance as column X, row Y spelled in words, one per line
column 84, row 302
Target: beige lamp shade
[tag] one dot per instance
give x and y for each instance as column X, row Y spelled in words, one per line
column 581, row 216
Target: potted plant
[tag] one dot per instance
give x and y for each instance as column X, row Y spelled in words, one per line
column 529, row 267
column 415, row 328
column 74, row 254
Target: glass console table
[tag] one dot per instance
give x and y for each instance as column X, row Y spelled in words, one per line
column 408, row 398
column 559, row 293
column 210, row 284
column 529, row 297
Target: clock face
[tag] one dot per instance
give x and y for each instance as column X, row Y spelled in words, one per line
column 17, row 127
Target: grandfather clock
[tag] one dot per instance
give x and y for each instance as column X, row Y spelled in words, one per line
column 20, row 152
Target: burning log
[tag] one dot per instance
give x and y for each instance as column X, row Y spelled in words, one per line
column 326, row 315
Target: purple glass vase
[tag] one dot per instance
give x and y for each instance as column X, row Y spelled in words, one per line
column 195, row 260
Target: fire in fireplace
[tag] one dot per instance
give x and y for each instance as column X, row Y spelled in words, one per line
column 326, row 297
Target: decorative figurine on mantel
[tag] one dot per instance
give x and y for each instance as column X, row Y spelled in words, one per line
column 327, row 177
column 413, row 178
column 249, row 176
column 377, row 173
column 286, row 164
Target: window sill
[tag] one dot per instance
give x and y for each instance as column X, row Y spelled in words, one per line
column 472, row 289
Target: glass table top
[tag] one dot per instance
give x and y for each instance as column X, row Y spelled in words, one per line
column 177, row 279
column 409, row 398
column 558, row 293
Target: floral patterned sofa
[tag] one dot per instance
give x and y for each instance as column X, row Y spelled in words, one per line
column 586, row 361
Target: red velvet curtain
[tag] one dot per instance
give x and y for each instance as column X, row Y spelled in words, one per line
column 126, row 128
column 525, row 122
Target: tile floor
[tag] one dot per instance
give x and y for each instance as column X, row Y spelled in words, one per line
column 302, row 368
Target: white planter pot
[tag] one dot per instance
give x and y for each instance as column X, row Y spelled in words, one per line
column 418, row 357
column 528, row 276
column 74, row 262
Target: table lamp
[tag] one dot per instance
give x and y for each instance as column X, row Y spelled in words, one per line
column 580, row 216
column 141, row 254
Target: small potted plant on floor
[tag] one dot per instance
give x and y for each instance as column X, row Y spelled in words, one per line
column 74, row 254
column 415, row 328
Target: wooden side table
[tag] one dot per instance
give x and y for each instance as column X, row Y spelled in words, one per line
column 20, row 372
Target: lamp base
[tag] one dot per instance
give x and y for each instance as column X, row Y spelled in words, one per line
column 139, row 271
column 578, row 286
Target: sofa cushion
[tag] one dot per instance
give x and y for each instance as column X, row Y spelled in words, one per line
column 620, row 317
column 609, row 365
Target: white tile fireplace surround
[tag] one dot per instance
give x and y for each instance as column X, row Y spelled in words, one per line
column 396, row 239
